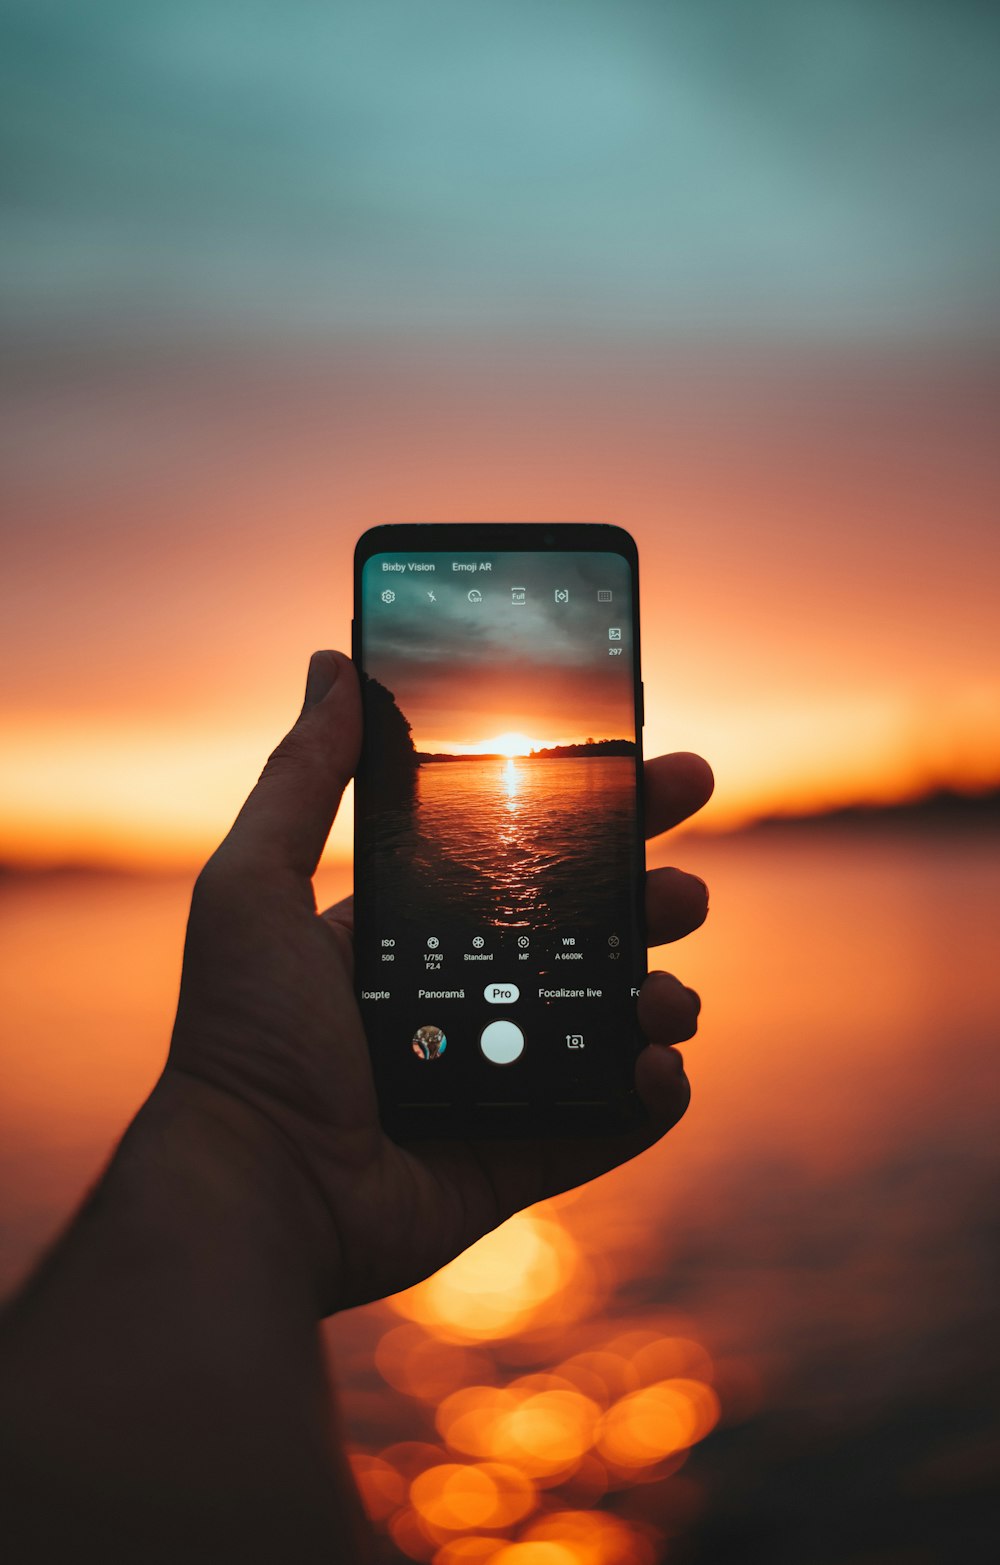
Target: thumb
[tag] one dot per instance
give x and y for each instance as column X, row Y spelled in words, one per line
column 287, row 818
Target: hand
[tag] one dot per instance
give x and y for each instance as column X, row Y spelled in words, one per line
column 268, row 1033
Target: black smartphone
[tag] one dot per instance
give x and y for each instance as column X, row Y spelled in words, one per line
column 499, row 849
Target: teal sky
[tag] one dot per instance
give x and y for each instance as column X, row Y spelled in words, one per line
column 779, row 167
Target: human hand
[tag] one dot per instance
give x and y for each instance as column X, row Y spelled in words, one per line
column 269, row 1036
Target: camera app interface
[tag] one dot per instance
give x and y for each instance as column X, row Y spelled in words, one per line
column 498, row 853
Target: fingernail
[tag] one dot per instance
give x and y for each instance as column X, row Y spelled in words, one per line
column 321, row 678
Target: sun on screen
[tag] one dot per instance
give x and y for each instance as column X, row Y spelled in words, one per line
column 509, row 744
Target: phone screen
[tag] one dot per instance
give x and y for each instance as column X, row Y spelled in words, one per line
column 499, row 847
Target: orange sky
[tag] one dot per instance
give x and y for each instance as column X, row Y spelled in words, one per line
column 553, row 709
column 817, row 539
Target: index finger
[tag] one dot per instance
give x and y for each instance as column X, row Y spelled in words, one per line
column 676, row 787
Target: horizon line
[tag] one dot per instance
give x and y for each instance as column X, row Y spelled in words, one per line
column 942, row 807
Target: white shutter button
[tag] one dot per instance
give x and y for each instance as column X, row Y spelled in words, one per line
column 501, row 1042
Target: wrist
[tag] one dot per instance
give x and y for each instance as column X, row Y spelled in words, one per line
column 211, row 1185
column 163, row 1386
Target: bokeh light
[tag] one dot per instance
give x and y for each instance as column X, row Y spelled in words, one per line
column 458, row 1497
column 592, row 1538
column 544, row 1429
column 470, row 1550
column 656, row 1422
column 382, row 1488
column 537, row 1553
column 528, row 1272
column 527, row 1462
column 425, row 1367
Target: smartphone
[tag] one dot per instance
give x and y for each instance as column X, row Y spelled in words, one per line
column 499, row 848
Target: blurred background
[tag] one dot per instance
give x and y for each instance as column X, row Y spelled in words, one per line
column 726, row 275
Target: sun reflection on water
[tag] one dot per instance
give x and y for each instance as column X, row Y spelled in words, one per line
column 538, row 1408
column 511, row 782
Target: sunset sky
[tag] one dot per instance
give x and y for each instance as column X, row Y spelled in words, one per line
column 725, row 276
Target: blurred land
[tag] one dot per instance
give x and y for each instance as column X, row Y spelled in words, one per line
column 591, row 749
column 944, row 809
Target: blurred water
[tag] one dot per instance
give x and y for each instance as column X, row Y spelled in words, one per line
column 821, row 1224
